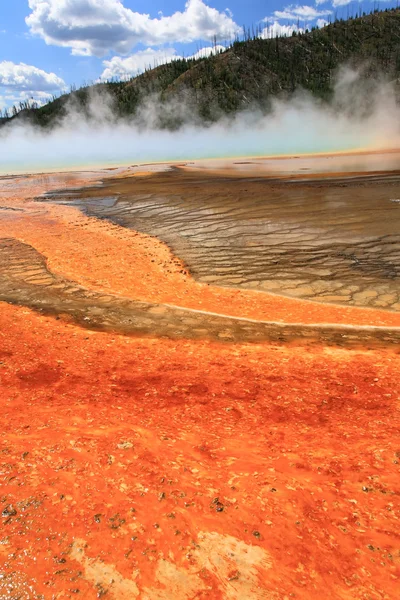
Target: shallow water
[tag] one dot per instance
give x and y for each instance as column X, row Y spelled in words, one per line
column 328, row 241
column 26, row 280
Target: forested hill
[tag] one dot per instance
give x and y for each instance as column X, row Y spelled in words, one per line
column 252, row 71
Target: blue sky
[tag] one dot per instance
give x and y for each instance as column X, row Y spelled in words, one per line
column 47, row 45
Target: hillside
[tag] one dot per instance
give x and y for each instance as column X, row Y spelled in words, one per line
column 251, row 72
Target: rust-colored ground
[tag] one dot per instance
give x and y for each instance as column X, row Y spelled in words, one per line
column 157, row 469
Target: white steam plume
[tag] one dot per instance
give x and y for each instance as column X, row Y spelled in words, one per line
column 359, row 117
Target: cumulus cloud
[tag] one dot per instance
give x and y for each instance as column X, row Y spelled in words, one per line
column 124, row 68
column 95, row 27
column 208, row 51
column 22, row 77
column 299, row 13
column 276, row 29
column 341, row 2
column 29, row 97
column 305, row 13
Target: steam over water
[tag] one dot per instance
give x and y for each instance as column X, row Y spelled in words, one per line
column 301, row 125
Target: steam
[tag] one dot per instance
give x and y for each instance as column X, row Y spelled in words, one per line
column 363, row 114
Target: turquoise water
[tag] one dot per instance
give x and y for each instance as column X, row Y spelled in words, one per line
column 294, row 131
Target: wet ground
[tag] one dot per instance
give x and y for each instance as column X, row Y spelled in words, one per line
column 333, row 241
column 26, row 280
column 167, row 438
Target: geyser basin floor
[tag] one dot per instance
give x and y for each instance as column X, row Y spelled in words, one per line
column 26, row 280
column 113, row 260
column 332, row 241
column 172, row 469
column 164, row 469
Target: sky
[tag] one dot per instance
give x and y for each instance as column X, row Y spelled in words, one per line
column 47, row 46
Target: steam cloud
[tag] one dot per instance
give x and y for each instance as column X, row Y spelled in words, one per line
column 362, row 115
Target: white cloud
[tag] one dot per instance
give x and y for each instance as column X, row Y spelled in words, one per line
column 32, row 97
column 28, row 78
column 278, row 30
column 94, row 27
column 305, row 13
column 336, row 3
column 204, row 52
column 125, row 68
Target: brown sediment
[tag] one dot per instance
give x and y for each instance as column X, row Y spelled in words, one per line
column 111, row 259
column 328, row 242
column 182, row 468
column 353, row 163
column 26, row 280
